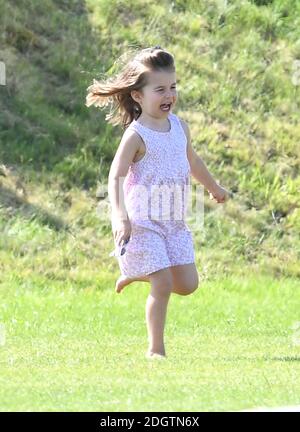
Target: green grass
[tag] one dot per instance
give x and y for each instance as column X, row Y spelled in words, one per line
column 229, row 347
column 72, row 344
column 234, row 65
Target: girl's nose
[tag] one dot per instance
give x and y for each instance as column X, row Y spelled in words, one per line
column 169, row 96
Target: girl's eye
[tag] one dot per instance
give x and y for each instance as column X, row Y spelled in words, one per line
column 174, row 88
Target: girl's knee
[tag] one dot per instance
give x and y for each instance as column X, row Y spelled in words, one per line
column 194, row 284
column 192, row 288
column 188, row 287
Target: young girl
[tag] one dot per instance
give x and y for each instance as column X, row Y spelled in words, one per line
column 155, row 152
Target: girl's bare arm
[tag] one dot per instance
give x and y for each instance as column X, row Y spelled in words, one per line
column 124, row 156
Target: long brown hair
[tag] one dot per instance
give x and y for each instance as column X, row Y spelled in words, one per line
column 133, row 76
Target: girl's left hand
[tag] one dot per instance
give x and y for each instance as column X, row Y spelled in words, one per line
column 220, row 194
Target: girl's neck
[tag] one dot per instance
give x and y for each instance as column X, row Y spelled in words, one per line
column 161, row 124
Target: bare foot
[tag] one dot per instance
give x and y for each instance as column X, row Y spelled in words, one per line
column 153, row 355
column 124, row 280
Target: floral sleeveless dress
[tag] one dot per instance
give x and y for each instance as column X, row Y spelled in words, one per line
column 156, row 190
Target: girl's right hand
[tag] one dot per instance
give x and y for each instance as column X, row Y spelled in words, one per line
column 121, row 231
column 220, row 194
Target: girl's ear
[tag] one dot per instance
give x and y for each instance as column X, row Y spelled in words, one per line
column 135, row 95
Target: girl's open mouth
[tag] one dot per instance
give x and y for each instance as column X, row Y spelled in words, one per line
column 165, row 107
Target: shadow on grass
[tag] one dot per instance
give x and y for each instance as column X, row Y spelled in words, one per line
column 256, row 358
column 286, row 359
column 13, row 203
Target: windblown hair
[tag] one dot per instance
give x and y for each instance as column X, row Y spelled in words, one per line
column 115, row 91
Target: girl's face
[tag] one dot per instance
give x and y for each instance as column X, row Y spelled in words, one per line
column 160, row 90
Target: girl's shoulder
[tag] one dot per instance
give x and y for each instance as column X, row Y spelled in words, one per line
column 177, row 118
column 182, row 123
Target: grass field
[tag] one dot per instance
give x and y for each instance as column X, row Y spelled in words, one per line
column 230, row 346
column 67, row 341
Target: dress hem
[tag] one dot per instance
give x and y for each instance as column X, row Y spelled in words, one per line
column 157, row 269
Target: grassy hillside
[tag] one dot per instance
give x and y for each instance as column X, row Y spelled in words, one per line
column 238, row 91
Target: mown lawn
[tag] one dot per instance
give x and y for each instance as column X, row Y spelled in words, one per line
column 67, row 341
column 230, row 346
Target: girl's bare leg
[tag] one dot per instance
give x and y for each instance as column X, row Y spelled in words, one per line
column 156, row 310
